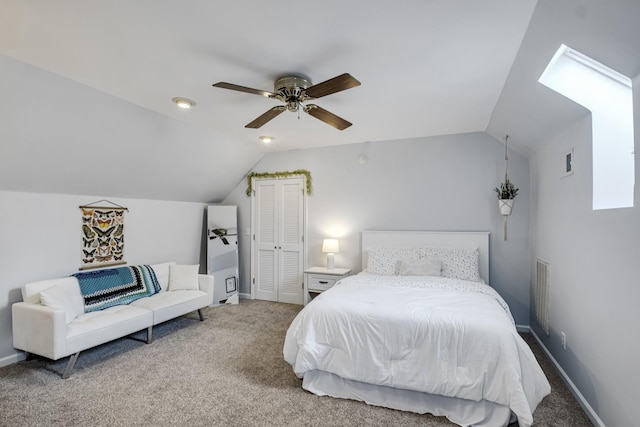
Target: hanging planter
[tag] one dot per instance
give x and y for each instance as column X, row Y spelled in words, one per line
column 506, row 191
column 505, row 206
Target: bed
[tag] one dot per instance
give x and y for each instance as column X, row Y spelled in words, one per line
column 419, row 330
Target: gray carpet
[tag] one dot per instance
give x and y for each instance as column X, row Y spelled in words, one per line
column 227, row 370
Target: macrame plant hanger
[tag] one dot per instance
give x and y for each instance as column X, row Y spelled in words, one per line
column 506, row 180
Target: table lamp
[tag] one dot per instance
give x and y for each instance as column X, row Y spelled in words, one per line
column 330, row 247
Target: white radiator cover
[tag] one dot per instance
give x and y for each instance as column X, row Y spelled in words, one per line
column 541, row 297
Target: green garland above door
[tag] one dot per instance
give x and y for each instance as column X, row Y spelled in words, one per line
column 287, row 174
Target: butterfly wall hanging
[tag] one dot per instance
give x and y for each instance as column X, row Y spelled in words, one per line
column 102, row 235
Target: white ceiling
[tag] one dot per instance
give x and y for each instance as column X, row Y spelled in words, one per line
column 427, row 67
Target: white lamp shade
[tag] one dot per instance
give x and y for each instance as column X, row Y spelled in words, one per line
column 330, row 246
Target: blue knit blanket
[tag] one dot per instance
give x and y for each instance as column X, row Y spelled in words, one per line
column 116, row 286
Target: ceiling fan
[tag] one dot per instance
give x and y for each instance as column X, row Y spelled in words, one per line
column 295, row 91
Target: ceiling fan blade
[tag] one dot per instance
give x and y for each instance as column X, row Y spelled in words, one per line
column 327, row 117
column 263, row 119
column 231, row 86
column 342, row 82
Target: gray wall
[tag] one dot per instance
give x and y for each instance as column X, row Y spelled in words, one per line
column 437, row 183
column 594, row 271
column 42, row 239
column 59, row 136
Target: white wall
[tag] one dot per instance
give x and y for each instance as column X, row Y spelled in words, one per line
column 41, row 239
column 594, row 273
column 437, row 183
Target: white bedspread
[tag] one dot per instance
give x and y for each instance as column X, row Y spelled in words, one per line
column 431, row 334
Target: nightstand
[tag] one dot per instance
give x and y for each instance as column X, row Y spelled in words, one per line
column 319, row 279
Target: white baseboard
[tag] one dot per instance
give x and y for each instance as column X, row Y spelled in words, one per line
column 245, row 296
column 523, row 328
column 591, row 413
column 11, row 359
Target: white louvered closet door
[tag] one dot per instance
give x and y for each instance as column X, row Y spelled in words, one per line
column 278, row 241
column 265, row 242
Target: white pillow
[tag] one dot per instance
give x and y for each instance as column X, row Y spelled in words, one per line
column 457, row 263
column 64, row 297
column 385, row 261
column 420, row 267
column 162, row 274
column 183, row 277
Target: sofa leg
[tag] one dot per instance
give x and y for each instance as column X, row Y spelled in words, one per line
column 149, row 334
column 69, row 369
column 200, row 314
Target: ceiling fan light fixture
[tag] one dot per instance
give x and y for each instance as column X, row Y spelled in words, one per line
column 294, row 91
column 185, row 103
column 266, row 139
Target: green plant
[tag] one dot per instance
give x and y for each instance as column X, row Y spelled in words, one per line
column 296, row 172
column 506, row 190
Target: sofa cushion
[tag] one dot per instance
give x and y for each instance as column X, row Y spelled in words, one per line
column 183, row 277
column 168, row 305
column 65, row 297
column 162, row 274
column 98, row 327
column 99, row 321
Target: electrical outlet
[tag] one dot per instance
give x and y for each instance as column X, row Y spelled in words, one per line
column 563, row 336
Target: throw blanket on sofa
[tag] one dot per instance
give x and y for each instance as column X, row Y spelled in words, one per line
column 116, row 286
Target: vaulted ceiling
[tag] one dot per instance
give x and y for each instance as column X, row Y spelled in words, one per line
column 427, row 67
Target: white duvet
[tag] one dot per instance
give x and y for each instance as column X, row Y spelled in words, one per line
column 430, row 334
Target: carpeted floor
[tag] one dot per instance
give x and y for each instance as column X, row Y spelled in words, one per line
column 227, row 370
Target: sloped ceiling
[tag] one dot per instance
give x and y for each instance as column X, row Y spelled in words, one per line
column 605, row 31
column 427, row 67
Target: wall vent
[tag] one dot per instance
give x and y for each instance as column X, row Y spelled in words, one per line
column 541, row 297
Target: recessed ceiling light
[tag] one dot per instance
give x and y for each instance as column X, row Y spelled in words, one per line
column 266, row 139
column 184, row 102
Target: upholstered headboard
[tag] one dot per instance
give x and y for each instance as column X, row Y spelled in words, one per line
column 413, row 239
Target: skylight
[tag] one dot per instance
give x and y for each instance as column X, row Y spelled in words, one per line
column 608, row 95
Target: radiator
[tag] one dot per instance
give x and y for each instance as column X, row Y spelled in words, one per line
column 541, row 297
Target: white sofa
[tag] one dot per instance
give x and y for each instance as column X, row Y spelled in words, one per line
column 51, row 322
